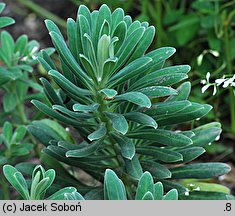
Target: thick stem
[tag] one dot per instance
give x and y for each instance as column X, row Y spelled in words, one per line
column 103, row 107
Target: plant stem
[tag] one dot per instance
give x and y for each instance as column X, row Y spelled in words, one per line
column 20, row 108
column 43, row 12
column 229, row 70
column 103, row 107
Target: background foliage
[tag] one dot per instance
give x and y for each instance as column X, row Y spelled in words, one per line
column 195, row 28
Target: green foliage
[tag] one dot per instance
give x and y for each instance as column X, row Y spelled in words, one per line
column 14, row 146
column 146, row 189
column 125, row 105
column 39, row 185
column 5, row 21
column 17, row 61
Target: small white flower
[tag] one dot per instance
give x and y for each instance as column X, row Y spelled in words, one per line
column 208, row 77
column 215, row 90
column 197, row 189
column 203, row 82
column 230, row 82
column 220, row 81
column 204, row 88
column 186, row 193
column 199, row 59
column 214, row 53
column 208, row 84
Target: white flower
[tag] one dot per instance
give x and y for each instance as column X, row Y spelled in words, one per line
column 208, row 84
column 214, row 53
column 208, row 76
column 197, row 189
column 199, row 59
column 230, row 82
column 204, row 88
column 206, row 81
column 215, row 90
column 220, row 81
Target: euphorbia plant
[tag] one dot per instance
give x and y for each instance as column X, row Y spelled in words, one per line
column 40, row 183
column 122, row 101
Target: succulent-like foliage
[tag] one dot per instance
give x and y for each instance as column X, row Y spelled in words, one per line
column 123, row 102
column 41, row 182
column 114, row 188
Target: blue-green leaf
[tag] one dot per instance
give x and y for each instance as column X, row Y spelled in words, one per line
column 200, row 170
column 99, row 133
column 113, row 186
column 141, row 118
column 118, row 121
column 145, row 184
column 85, row 151
column 137, row 98
column 171, row 195
column 127, row 146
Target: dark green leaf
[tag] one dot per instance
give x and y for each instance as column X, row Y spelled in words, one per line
column 160, row 154
column 118, row 121
column 134, row 168
column 127, row 146
column 137, row 98
column 141, row 118
column 164, row 137
column 98, row 134
column 158, row 91
column 85, row 151
column 200, row 170
column 183, row 92
column 85, row 108
column 157, row 170
column 110, row 93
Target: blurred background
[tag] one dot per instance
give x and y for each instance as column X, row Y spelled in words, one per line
column 202, row 31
